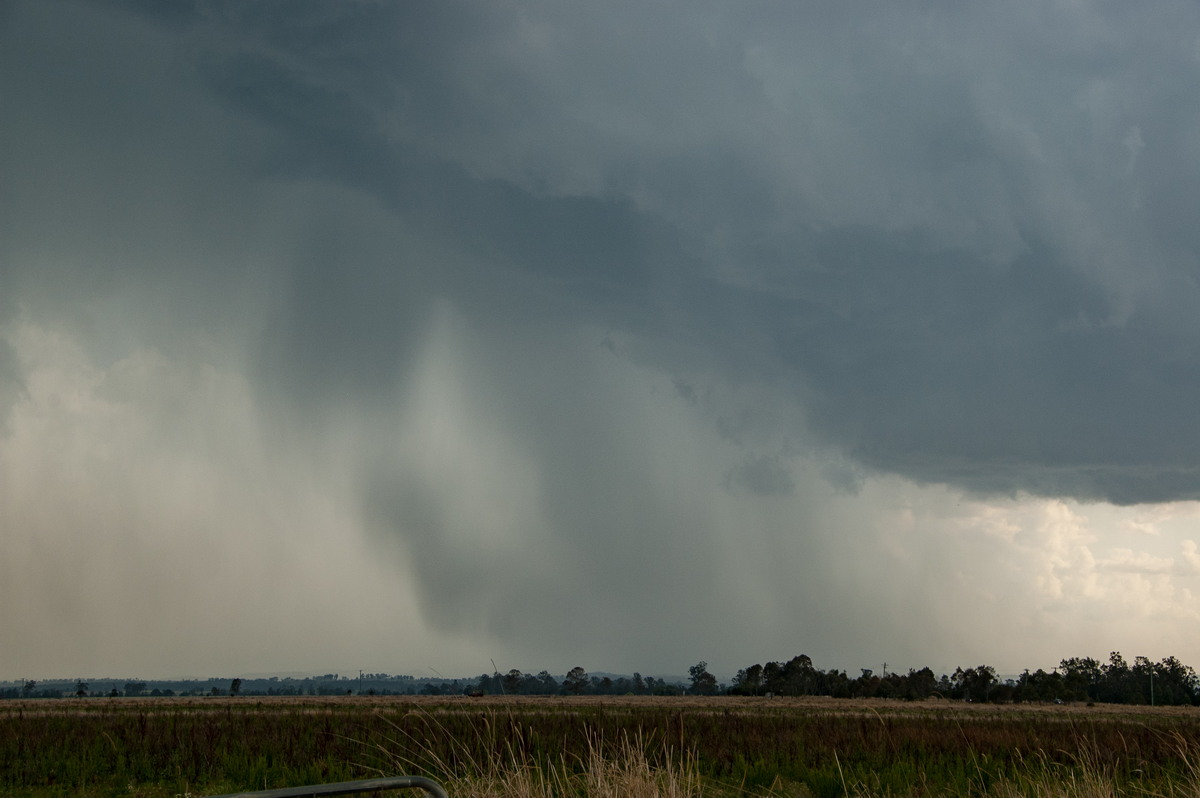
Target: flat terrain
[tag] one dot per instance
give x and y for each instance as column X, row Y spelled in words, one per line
column 806, row 704
column 817, row 747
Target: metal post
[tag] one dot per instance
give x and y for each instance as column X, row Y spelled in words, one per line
column 431, row 788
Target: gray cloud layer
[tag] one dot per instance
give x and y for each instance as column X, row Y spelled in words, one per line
column 970, row 253
column 963, row 236
column 953, row 243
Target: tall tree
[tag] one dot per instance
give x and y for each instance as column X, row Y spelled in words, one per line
column 773, row 678
column 974, row 684
column 703, row 682
column 748, row 681
column 549, row 683
column 1118, row 684
column 1175, row 683
column 512, row 682
column 576, row 681
column 799, row 675
column 1081, row 678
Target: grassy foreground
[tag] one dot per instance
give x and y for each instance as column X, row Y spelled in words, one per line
column 810, row 748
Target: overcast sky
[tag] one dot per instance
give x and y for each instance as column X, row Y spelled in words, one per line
column 408, row 336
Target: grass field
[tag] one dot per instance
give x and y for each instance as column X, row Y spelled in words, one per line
column 814, row 748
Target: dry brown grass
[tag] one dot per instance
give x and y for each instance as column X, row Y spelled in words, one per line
column 535, row 747
column 821, row 704
column 637, row 768
column 625, row 772
column 628, row 769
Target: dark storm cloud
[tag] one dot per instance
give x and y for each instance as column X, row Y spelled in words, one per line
column 948, row 370
column 609, row 309
column 1000, row 359
column 990, row 282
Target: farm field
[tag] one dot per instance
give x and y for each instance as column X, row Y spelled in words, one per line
column 814, row 748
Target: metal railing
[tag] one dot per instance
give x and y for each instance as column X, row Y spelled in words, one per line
column 431, row 788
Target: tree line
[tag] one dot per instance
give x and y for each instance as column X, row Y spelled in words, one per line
column 1167, row 682
column 1077, row 679
column 577, row 681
